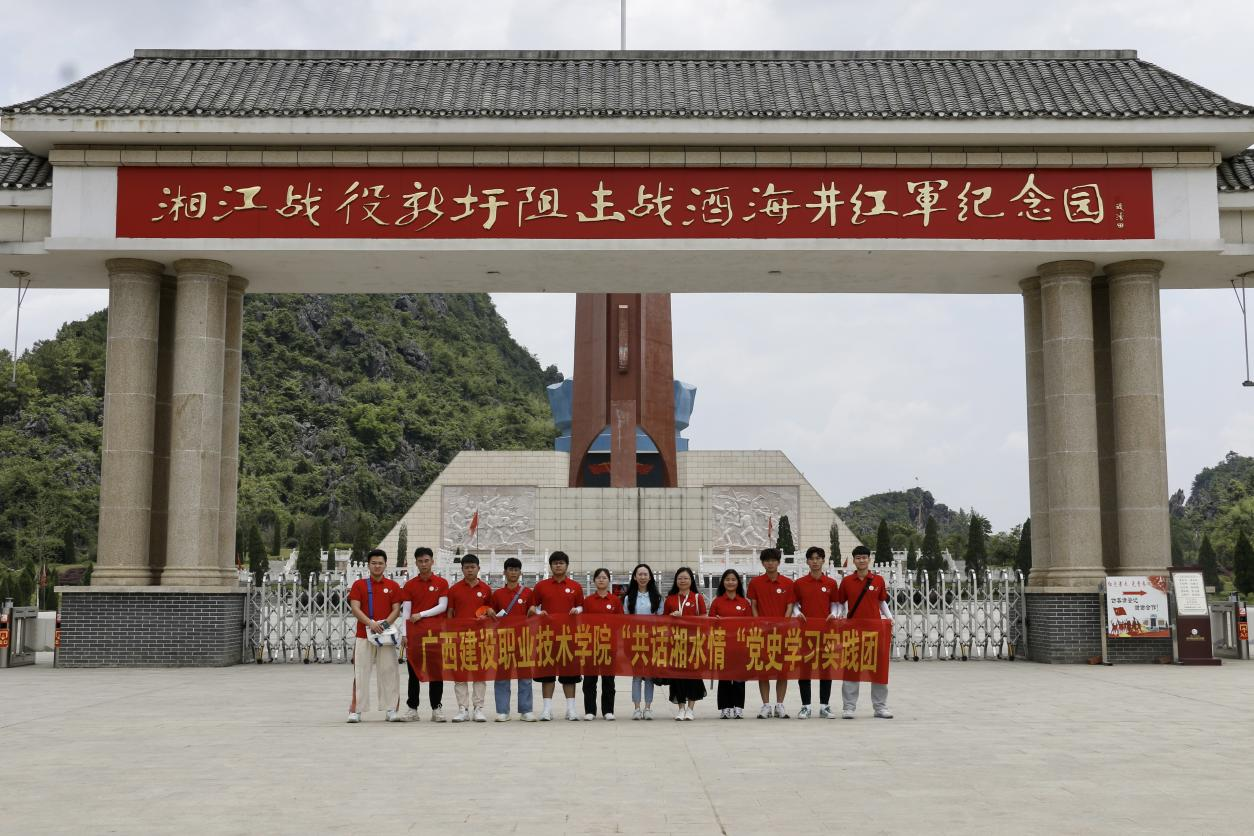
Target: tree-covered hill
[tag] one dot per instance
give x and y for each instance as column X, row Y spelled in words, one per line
column 351, row 405
column 906, row 512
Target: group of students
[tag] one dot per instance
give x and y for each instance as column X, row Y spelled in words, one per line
column 379, row 603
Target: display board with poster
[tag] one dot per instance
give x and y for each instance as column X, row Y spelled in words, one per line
column 1190, row 589
column 1193, row 633
column 1136, row 607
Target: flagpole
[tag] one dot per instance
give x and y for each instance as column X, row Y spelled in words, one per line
column 622, row 25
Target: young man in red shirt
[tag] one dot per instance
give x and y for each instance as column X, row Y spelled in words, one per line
column 863, row 596
column 465, row 599
column 814, row 596
column 425, row 596
column 510, row 604
column 557, row 595
column 771, row 594
column 376, row 604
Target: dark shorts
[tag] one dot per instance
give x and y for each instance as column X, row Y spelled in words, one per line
column 565, row 680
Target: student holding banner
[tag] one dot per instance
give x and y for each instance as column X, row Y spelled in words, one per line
column 558, row 595
column 470, row 598
column 600, row 602
column 729, row 603
column 814, row 596
column 685, row 601
column 642, row 598
column 376, row 604
column 424, row 596
column 864, row 595
column 510, row 603
column 771, row 594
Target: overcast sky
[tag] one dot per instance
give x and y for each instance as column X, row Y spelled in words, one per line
column 864, row 393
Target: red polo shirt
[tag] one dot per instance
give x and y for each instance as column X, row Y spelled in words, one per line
column 851, row 587
column 814, row 596
column 386, row 593
column 502, row 597
column 425, row 594
column 772, row 597
column 693, row 604
column 611, row 603
column 464, row 600
column 724, row 607
column 558, row 598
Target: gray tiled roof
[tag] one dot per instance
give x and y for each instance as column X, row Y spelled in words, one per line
column 940, row 85
column 20, row 169
column 1236, row 174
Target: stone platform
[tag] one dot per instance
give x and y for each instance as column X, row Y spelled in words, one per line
column 979, row 747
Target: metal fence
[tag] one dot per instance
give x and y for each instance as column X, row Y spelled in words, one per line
column 956, row 617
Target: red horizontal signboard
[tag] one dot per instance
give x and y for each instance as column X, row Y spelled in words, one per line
column 627, row 203
column 662, row 647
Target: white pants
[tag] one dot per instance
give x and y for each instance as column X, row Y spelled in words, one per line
column 381, row 661
column 849, row 694
column 462, row 691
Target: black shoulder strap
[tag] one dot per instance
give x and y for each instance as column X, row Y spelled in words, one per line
column 861, row 595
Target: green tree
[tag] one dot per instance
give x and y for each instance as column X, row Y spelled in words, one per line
column 833, row 541
column 883, row 544
column 258, row 561
column 912, row 557
column 1208, row 563
column 69, row 551
column 1243, row 565
column 976, row 554
column 402, row 545
column 931, row 560
column 784, row 541
column 309, row 551
column 361, row 540
column 324, row 531
column 1023, row 560
column 275, row 535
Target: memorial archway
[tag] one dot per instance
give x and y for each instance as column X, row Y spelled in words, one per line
column 1084, row 181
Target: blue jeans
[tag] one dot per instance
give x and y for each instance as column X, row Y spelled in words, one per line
column 501, row 690
column 636, row 682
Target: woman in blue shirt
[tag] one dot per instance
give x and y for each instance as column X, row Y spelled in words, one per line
column 642, row 598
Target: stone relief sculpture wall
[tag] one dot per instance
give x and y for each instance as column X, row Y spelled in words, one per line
column 746, row 517
column 506, row 518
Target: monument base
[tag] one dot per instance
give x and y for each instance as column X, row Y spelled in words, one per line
column 150, row 626
column 1064, row 625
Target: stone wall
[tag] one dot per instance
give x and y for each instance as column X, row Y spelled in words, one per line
column 150, row 627
column 1064, row 627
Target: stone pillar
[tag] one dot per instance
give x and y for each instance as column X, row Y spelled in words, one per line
column 129, row 403
column 1105, row 423
column 161, row 436
column 1075, row 533
column 232, row 357
column 196, row 425
column 1140, row 439
column 1038, row 473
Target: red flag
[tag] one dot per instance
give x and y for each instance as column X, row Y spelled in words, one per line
column 1120, row 611
column 474, row 524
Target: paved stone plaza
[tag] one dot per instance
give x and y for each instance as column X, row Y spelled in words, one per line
column 975, row 747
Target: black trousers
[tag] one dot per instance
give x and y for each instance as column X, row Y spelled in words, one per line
column 825, row 691
column 731, row 694
column 590, row 695
column 435, row 692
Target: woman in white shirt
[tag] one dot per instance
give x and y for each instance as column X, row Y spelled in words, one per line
column 642, row 598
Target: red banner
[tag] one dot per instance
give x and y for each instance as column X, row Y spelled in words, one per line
column 654, row 646
column 627, row 203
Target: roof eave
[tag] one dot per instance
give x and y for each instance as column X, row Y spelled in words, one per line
column 40, row 133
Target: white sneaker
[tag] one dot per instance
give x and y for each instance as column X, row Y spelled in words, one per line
column 609, row 716
column 354, row 717
column 390, row 716
column 589, row 716
column 766, row 712
column 502, row 718
column 437, row 715
column 572, row 715
column 462, row 716
column 648, row 714
column 804, row 713
column 847, row 714
column 779, row 710
column 546, row 715
column 723, row 714
column 410, row 716
column 679, row 715
column 638, row 714
column 690, row 713
column 740, row 713
column 826, row 713
column 884, row 714
column 528, row 717
column 480, row 717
